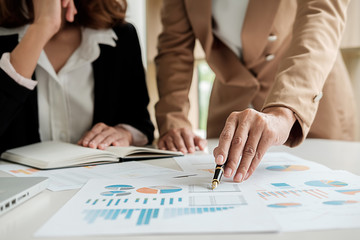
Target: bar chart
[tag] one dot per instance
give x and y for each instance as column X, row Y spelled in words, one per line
column 141, row 216
column 144, row 216
column 313, row 193
column 326, row 183
column 111, row 202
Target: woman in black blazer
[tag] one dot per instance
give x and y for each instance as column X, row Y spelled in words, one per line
column 79, row 55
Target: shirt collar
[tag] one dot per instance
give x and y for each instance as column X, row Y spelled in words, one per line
column 91, row 39
column 11, row 31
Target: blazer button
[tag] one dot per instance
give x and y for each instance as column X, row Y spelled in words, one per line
column 269, row 57
column 272, row 38
column 317, row 97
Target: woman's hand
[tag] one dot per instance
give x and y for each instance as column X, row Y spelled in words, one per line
column 181, row 139
column 249, row 134
column 101, row 136
column 48, row 17
column 51, row 14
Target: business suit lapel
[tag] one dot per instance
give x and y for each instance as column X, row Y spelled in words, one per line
column 258, row 21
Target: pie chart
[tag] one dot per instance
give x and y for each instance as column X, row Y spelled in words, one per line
column 349, row 191
column 159, row 189
column 342, row 202
column 287, row 168
column 119, row 187
column 326, row 183
column 284, row 205
column 114, row 193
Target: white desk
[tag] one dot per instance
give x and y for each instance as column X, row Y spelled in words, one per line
column 21, row 222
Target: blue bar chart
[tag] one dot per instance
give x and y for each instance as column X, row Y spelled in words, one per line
column 112, row 202
column 144, row 216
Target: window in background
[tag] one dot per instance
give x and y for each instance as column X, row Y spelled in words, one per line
column 205, row 81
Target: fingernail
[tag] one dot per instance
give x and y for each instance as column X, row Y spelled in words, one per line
column 191, row 149
column 220, row 159
column 183, row 150
column 228, row 172
column 247, row 176
column 238, row 177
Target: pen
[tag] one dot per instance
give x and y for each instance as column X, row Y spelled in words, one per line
column 217, row 176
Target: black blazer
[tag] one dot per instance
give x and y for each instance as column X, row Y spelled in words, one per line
column 120, row 92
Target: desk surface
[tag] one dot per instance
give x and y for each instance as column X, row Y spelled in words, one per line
column 21, row 222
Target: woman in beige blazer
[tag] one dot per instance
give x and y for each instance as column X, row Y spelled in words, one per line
column 290, row 72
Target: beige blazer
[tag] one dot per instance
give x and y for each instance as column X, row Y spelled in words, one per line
column 286, row 61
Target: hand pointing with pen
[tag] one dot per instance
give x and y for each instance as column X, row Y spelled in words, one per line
column 249, row 134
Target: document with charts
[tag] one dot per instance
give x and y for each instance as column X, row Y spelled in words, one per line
column 76, row 177
column 311, row 200
column 301, row 194
column 204, row 164
column 145, row 206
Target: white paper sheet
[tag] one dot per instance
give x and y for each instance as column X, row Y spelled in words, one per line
column 145, row 206
column 311, row 200
column 73, row 178
column 271, row 164
column 302, row 195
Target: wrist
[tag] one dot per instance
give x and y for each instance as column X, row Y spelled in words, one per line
column 127, row 133
column 282, row 112
column 44, row 30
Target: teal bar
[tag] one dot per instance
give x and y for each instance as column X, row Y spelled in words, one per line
column 156, row 213
column 162, row 201
column 103, row 213
column 117, row 202
column 109, row 214
column 199, row 210
column 115, row 215
column 109, row 203
column 148, row 217
column 180, row 211
column 96, row 214
column 129, row 213
column 171, row 201
column 141, row 217
column 173, row 212
column 95, row 201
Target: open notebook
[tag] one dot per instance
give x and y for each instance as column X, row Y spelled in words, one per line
column 53, row 154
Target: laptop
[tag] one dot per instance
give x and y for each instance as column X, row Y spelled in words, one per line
column 16, row 190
